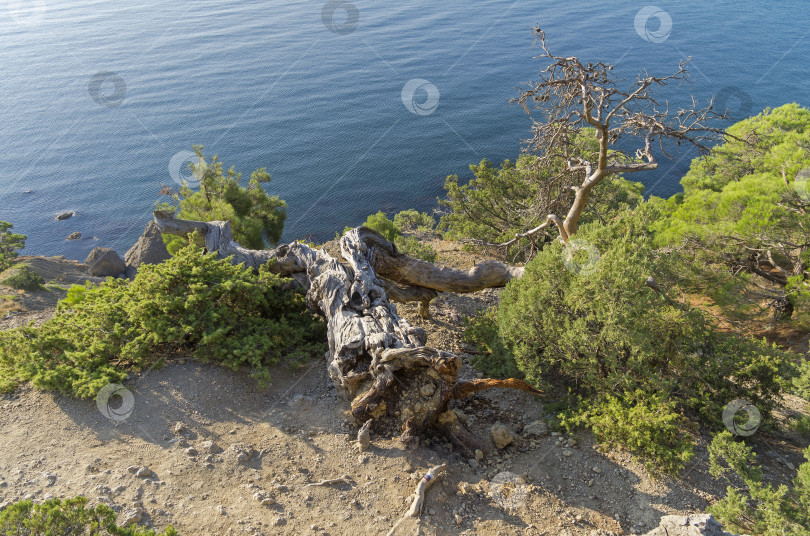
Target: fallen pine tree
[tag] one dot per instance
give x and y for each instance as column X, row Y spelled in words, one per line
column 377, row 360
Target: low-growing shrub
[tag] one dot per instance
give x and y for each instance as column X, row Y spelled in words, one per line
column 756, row 507
column 409, row 220
column 586, row 322
column 380, row 223
column 412, row 246
column 801, row 381
column 24, row 278
column 192, row 303
column 493, row 358
column 646, row 424
column 69, row 517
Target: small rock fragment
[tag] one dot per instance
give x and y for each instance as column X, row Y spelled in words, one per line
column 131, row 516
column 210, row 447
column 241, row 452
column 536, row 429
column 501, row 435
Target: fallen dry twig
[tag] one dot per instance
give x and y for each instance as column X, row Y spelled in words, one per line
column 419, row 495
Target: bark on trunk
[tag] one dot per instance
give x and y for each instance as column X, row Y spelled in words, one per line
column 377, row 360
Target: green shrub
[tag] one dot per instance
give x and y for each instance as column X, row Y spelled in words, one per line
column 10, row 244
column 380, row 223
column 596, row 329
column 191, row 303
column 256, row 218
column 744, row 213
column 70, row 517
column 801, row 381
column 24, row 278
column 411, row 219
column 410, row 245
column 758, row 508
column 646, row 424
column 493, row 358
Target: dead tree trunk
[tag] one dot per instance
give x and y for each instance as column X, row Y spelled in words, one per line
column 377, row 360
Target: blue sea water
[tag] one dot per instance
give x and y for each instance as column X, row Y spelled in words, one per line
column 101, row 100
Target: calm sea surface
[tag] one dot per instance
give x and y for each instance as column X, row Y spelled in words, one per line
column 101, row 100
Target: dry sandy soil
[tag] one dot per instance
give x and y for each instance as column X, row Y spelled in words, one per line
column 207, row 451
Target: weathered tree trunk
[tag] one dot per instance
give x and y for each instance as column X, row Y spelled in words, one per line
column 377, row 360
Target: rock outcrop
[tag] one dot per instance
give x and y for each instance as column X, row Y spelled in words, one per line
column 148, row 249
column 103, row 262
column 693, row 525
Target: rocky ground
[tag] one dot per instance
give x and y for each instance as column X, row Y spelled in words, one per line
column 207, row 451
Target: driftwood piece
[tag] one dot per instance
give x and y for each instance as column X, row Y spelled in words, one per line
column 419, row 496
column 377, row 360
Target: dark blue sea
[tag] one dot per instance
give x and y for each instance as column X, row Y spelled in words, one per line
column 101, row 101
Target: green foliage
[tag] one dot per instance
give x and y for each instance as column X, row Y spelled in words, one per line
column 493, row 358
column 24, row 278
column 409, row 220
column 256, row 218
column 758, row 508
column 499, row 202
column 412, row 246
column 191, row 303
column 646, row 424
column 599, row 331
column 801, row 380
column 10, row 244
column 380, row 223
column 69, row 517
column 744, row 211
